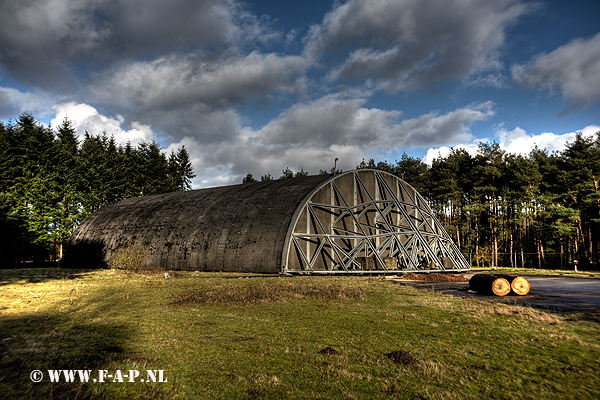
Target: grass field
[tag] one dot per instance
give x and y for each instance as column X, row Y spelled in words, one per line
column 235, row 336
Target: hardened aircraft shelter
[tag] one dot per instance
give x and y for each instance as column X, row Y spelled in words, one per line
column 362, row 221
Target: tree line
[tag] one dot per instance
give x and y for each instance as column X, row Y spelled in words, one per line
column 49, row 182
column 502, row 209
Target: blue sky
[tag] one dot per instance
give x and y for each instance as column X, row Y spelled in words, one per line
column 258, row 86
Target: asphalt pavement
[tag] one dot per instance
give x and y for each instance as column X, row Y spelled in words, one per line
column 558, row 294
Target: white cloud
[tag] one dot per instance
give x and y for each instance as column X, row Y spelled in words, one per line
column 573, row 68
column 411, row 44
column 14, row 102
column 517, row 141
column 174, row 81
column 443, row 151
column 334, row 119
column 329, row 120
column 86, row 118
column 443, row 129
column 311, row 135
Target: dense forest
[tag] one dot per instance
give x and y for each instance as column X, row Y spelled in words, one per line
column 541, row 210
column 502, row 209
column 49, row 182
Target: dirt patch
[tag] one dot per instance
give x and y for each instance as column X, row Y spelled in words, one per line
column 435, row 277
column 402, row 357
column 593, row 316
column 328, row 350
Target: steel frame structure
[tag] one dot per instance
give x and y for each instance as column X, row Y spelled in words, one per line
column 367, row 221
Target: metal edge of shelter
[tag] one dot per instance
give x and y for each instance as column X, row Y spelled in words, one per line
column 367, row 221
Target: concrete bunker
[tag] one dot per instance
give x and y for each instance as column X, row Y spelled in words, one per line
column 362, row 221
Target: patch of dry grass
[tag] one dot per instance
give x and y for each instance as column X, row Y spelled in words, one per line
column 527, row 313
column 269, row 292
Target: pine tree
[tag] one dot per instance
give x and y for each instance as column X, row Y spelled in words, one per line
column 92, row 168
column 249, row 178
column 286, row 173
column 580, row 164
column 185, row 169
column 35, row 191
column 130, row 164
column 69, row 211
column 154, row 169
column 301, row 173
column 414, row 171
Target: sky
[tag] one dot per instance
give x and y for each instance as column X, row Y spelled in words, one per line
column 260, row 86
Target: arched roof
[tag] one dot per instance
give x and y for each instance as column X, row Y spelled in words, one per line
column 358, row 221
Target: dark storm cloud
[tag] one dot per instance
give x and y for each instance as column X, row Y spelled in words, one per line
column 50, row 42
column 410, row 44
column 196, row 73
column 191, row 95
column 573, row 69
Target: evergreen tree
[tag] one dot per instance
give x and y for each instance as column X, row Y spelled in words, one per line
column 130, row 164
column 4, row 158
column 580, row 165
column 450, row 188
column 67, row 146
column 414, row 171
column 154, row 169
column 366, row 165
column 35, row 191
column 249, row 178
column 92, row 168
column 301, row 173
column 185, row 169
column 68, row 209
column 286, row 173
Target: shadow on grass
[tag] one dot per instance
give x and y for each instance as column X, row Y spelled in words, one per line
column 38, row 275
column 73, row 338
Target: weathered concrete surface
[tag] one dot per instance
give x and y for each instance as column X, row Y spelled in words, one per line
column 232, row 228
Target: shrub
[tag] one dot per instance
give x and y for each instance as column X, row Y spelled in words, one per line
column 131, row 257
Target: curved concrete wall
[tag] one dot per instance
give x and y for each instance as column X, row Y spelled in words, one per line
column 231, row 228
column 355, row 222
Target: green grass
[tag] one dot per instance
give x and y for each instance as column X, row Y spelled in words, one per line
column 283, row 338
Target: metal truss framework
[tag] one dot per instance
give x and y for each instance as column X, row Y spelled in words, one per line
column 380, row 224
